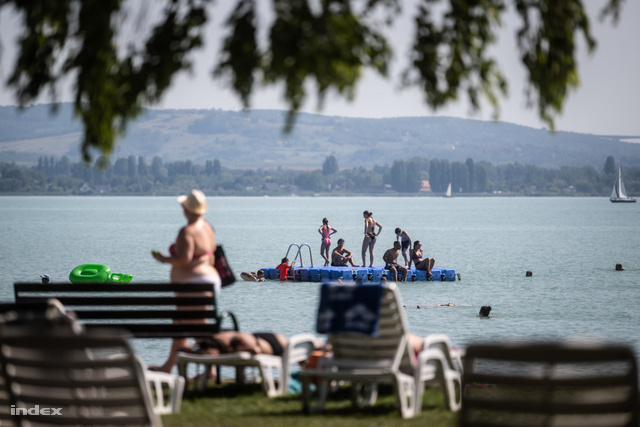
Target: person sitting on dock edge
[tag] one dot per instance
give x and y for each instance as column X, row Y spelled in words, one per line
column 390, row 257
column 340, row 256
column 425, row 264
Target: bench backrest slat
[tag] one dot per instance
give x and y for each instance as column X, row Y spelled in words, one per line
column 147, row 310
column 145, row 314
column 119, row 301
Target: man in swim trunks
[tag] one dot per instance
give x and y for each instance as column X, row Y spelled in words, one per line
column 340, row 256
column 405, row 240
column 390, row 257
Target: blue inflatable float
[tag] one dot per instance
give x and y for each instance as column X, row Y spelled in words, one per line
column 364, row 274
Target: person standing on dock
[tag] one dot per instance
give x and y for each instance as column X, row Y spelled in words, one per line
column 326, row 231
column 370, row 236
column 404, row 239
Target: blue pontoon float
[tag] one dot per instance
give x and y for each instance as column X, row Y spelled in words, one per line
column 364, row 274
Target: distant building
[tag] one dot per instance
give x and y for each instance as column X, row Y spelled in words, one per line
column 425, row 187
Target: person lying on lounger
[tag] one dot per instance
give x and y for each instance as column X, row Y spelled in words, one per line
column 234, row 341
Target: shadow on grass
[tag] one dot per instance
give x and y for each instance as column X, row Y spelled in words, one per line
column 239, row 404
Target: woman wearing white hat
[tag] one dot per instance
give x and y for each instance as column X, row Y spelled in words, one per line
column 191, row 258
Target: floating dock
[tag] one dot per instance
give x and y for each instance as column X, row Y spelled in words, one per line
column 365, row 274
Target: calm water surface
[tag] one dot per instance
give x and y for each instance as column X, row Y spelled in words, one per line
column 570, row 244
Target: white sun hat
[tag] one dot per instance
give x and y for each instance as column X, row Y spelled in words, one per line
column 195, row 202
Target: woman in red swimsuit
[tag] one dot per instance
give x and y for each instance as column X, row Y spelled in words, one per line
column 191, row 259
column 326, row 231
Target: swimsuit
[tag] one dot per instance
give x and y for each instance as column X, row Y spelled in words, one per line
column 210, row 278
column 406, row 244
column 416, row 256
column 172, row 251
column 272, row 340
column 372, row 236
column 214, row 343
column 326, row 232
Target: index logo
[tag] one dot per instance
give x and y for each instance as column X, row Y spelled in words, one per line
column 36, row 410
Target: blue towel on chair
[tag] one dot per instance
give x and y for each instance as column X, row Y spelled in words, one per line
column 349, row 308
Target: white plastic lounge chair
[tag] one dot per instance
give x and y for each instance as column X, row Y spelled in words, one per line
column 58, row 375
column 437, row 353
column 381, row 354
column 455, row 356
column 165, row 389
column 270, row 367
column 550, row 384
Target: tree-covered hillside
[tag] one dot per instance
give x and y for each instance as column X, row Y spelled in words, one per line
column 255, row 140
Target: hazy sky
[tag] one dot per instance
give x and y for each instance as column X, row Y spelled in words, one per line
column 607, row 102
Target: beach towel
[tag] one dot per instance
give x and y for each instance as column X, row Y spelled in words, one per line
column 349, row 308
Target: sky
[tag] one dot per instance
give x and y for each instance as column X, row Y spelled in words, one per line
column 606, row 103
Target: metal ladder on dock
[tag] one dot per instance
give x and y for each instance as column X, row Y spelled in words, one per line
column 299, row 253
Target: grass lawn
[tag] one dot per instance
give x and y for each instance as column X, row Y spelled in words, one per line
column 246, row 405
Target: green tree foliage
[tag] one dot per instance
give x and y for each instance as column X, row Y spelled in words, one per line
column 142, row 166
column 459, row 177
column 171, row 177
column 330, row 166
column 398, row 176
column 406, row 176
column 413, row 179
column 472, row 175
column 610, row 165
column 329, row 43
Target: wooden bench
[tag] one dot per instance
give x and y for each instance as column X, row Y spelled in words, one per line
column 146, row 310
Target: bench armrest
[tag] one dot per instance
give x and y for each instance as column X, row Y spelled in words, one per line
column 234, row 320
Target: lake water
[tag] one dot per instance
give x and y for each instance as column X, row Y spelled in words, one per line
column 570, row 244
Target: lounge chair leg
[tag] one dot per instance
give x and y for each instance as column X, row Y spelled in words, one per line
column 405, row 391
column 453, row 389
column 308, row 392
column 364, row 394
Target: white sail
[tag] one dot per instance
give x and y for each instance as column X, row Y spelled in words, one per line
column 448, row 193
column 621, row 192
column 618, row 192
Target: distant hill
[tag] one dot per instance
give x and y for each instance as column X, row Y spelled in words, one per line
column 255, row 139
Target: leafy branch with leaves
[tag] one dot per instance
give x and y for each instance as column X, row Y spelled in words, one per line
column 327, row 42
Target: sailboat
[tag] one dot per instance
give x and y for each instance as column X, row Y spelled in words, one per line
column 618, row 194
column 448, row 193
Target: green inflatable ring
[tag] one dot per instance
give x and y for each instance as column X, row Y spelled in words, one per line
column 90, row 273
